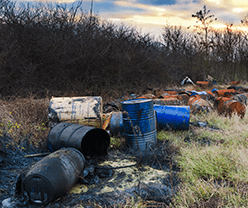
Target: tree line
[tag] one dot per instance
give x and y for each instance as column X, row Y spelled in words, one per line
column 56, row 50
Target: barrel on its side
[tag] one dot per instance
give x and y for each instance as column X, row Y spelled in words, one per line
column 172, row 117
column 54, row 175
column 89, row 140
column 139, row 123
column 2, row 151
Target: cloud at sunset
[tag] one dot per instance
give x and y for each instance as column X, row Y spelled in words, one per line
column 154, row 14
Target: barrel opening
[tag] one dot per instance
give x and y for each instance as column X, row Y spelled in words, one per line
column 95, row 142
column 38, row 189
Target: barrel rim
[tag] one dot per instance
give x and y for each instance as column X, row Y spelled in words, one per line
column 136, row 101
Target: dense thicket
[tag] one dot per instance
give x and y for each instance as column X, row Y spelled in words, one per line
column 55, row 50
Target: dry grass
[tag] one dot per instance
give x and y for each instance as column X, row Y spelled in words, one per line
column 215, row 173
column 23, row 121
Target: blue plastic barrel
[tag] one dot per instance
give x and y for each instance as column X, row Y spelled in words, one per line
column 139, row 123
column 116, row 124
column 172, row 117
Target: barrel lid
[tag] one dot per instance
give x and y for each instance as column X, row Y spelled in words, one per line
column 140, row 100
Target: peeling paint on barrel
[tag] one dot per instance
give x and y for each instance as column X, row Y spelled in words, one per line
column 229, row 107
column 199, row 105
column 139, row 123
column 75, row 109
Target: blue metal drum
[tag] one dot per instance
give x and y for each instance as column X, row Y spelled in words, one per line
column 172, row 117
column 139, row 123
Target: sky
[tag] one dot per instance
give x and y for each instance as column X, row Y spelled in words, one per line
column 150, row 16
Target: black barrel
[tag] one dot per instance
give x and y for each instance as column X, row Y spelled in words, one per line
column 54, row 175
column 89, row 140
column 2, row 151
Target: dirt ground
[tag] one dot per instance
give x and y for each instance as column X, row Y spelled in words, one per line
column 114, row 180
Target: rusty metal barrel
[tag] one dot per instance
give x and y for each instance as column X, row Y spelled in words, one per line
column 198, row 105
column 139, row 123
column 89, row 140
column 54, row 175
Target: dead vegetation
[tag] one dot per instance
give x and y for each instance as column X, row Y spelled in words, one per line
column 52, row 50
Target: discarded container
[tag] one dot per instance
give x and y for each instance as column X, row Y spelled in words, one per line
column 139, row 123
column 54, row 175
column 220, row 93
column 228, row 107
column 172, row 117
column 107, row 121
column 237, row 88
column 210, row 93
column 116, row 123
column 202, row 84
column 184, row 99
column 2, row 151
column 167, row 101
column 199, row 105
column 83, row 110
column 147, row 96
column 234, row 82
column 168, row 96
column 170, row 92
column 198, row 93
column 89, row 140
column 241, row 98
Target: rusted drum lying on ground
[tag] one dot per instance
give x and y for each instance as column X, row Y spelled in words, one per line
column 228, row 107
column 2, row 151
column 89, row 140
column 139, row 123
column 221, row 93
column 199, row 105
column 241, row 98
column 167, row 101
column 54, row 175
column 172, row 117
column 202, row 84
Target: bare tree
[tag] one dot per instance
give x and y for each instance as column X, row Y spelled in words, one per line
column 204, row 19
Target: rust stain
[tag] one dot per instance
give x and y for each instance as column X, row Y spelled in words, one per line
column 220, row 93
column 198, row 105
column 202, row 84
column 228, row 107
column 234, row 82
column 106, row 122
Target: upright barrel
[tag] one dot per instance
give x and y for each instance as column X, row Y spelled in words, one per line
column 89, row 140
column 54, row 175
column 172, row 117
column 116, row 124
column 139, row 123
